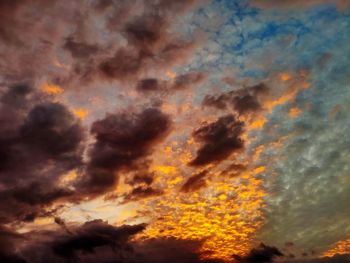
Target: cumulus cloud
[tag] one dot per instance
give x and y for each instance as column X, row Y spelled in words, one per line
column 180, row 82
column 243, row 101
column 70, row 47
column 39, row 142
column 92, row 235
column 218, row 140
column 195, row 182
column 262, row 253
column 122, row 140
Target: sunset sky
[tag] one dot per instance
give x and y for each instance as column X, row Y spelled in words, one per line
column 174, row 131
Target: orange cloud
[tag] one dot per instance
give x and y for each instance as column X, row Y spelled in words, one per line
column 284, row 76
column 294, row 112
column 225, row 215
column 80, row 113
column 340, row 247
column 51, row 89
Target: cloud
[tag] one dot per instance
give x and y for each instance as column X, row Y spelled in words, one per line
column 218, row 140
column 97, row 241
column 180, row 82
column 141, row 192
column 261, row 254
column 195, row 182
column 72, row 48
column 93, row 241
column 243, row 101
column 39, row 142
column 92, row 235
column 187, row 80
column 169, row 250
column 122, row 140
column 80, row 50
column 8, row 239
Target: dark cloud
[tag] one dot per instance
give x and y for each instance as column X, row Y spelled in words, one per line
column 94, row 241
column 181, row 82
column 114, row 40
column 122, row 140
column 99, row 242
column 142, row 178
column 92, row 235
column 261, row 254
column 195, row 182
column 39, row 142
column 150, row 43
column 234, row 169
column 125, row 63
column 187, row 80
column 144, row 32
column 50, row 128
column 243, row 101
column 169, row 250
column 141, row 192
column 59, row 221
column 151, row 84
column 218, row 140
column 80, row 50
column 219, row 102
column 8, row 239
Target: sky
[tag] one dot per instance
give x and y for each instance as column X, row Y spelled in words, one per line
column 168, row 131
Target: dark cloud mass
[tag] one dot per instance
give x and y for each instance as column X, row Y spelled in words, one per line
column 141, row 192
column 92, row 235
column 36, row 43
column 39, row 142
column 261, row 254
column 195, row 182
column 80, row 50
column 122, row 140
column 243, row 101
column 218, row 140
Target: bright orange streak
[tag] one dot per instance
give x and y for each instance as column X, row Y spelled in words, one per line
column 165, row 169
column 51, row 89
column 341, row 247
column 288, row 96
column 80, row 113
column 257, row 124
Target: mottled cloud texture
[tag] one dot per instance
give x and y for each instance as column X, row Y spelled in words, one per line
column 153, row 131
